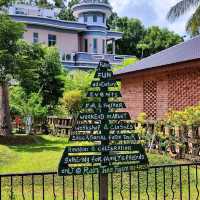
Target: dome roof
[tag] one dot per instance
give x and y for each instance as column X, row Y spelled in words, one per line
column 94, row 1
column 85, row 6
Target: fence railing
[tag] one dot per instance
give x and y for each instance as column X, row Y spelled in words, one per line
column 174, row 182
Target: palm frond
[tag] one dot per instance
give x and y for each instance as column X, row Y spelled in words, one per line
column 193, row 25
column 181, row 8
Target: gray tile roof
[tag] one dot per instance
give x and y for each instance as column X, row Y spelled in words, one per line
column 185, row 51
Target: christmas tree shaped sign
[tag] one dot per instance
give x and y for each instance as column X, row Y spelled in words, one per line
column 116, row 148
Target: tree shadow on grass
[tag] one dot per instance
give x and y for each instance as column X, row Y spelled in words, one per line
column 32, row 143
column 17, row 140
column 36, row 148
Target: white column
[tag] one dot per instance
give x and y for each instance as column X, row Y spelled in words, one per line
column 105, row 48
column 113, row 46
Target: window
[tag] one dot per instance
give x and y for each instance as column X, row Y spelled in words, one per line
column 94, row 18
column 85, row 18
column 85, row 45
column 19, row 11
column 51, row 40
column 35, row 37
column 95, row 45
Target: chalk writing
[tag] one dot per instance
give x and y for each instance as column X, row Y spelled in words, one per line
column 104, row 94
column 102, row 116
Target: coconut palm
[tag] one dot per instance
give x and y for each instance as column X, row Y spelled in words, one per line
column 181, row 8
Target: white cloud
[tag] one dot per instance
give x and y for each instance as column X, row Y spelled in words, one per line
column 151, row 12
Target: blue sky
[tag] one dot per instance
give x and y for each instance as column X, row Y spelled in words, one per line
column 151, row 12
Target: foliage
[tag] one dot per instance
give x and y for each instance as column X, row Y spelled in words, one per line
column 111, row 22
column 72, row 101
column 26, row 105
column 5, row 2
column 156, row 40
column 42, row 72
column 142, row 117
column 190, row 116
column 133, row 31
column 78, row 80
column 29, row 58
column 77, row 84
column 139, row 41
column 182, row 7
column 66, row 13
column 142, row 47
column 50, row 77
column 10, row 33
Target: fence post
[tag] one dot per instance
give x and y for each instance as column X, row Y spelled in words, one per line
column 0, row 187
column 103, row 187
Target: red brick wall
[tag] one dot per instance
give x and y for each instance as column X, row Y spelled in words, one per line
column 176, row 87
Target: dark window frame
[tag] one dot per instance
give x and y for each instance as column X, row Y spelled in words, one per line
column 52, row 40
column 95, row 45
column 85, row 18
column 85, row 45
column 94, row 18
column 35, row 37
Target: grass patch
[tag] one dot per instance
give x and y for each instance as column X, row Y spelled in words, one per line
column 42, row 153
column 35, row 153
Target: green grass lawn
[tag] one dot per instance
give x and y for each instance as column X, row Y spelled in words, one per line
column 42, row 153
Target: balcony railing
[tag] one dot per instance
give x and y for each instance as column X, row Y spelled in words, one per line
column 90, row 59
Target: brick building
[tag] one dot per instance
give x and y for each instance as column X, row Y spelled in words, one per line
column 167, row 80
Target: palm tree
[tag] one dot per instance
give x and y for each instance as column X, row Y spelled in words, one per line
column 183, row 6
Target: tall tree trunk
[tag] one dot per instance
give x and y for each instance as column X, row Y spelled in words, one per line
column 5, row 119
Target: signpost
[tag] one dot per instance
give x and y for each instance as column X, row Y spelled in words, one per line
column 103, row 124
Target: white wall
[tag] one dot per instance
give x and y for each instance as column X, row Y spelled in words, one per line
column 67, row 42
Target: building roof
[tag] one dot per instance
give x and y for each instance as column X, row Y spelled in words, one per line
column 49, row 22
column 186, row 51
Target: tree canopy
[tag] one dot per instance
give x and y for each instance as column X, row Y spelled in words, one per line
column 157, row 39
column 42, row 72
column 24, row 104
column 140, row 41
column 182, row 7
column 10, row 33
column 133, row 31
column 66, row 13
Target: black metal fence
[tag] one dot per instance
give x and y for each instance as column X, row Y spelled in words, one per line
column 173, row 182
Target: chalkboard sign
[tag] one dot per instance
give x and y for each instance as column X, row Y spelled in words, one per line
column 104, row 169
column 104, row 127
column 104, row 159
column 101, row 122
column 102, row 116
column 109, row 105
column 103, row 84
column 103, row 137
column 102, row 148
column 104, row 74
column 107, row 94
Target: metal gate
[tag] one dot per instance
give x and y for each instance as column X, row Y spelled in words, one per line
column 173, row 182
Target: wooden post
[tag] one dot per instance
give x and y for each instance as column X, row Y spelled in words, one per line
column 103, row 190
